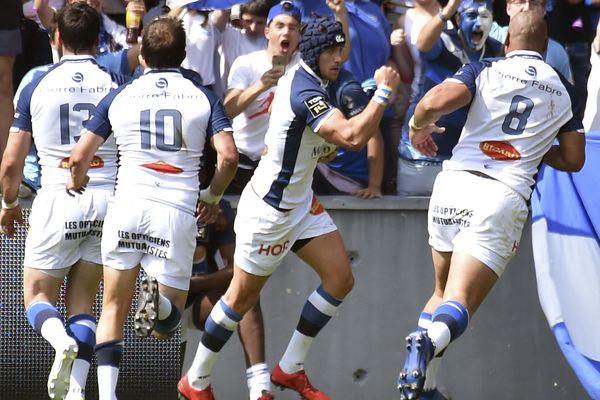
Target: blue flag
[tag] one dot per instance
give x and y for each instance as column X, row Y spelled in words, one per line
column 566, row 248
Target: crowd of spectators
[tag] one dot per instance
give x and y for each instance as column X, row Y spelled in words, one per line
column 380, row 32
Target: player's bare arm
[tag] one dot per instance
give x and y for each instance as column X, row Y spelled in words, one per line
column 440, row 100
column 227, row 161
column 354, row 133
column 79, row 161
column 569, row 154
column 11, row 174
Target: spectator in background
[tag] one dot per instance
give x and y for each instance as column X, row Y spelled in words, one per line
column 10, row 46
column 456, row 36
column 358, row 173
column 250, row 37
column 555, row 53
column 251, row 88
column 570, row 23
column 202, row 32
column 113, row 52
column 404, row 42
column 63, row 239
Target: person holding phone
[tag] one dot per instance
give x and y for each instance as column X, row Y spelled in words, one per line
column 251, row 88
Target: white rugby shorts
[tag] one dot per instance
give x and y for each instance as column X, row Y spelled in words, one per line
column 265, row 235
column 64, row 229
column 158, row 237
column 477, row 215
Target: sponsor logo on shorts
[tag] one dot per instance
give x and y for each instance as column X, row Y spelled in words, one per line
column 316, row 207
column 451, row 216
column 272, row 249
column 163, row 167
column 317, row 105
column 499, row 150
column 96, row 162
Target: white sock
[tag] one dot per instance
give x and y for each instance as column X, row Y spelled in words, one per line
column 431, row 374
column 107, row 382
column 200, row 371
column 259, row 379
column 164, row 307
column 201, row 368
column 439, row 334
column 53, row 330
column 79, row 375
column 296, row 352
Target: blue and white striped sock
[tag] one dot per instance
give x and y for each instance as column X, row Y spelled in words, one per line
column 219, row 326
column 317, row 311
column 450, row 320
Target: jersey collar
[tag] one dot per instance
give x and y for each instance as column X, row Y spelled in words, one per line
column 308, row 69
column 525, row 53
column 77, row 57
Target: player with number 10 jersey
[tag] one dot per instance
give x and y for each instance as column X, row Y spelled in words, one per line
column 161, row 121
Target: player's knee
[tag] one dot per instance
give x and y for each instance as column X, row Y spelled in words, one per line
column 339, row 285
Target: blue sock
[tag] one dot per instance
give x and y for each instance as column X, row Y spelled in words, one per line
column 317, row 311
column 109, row 353
column 424, row 321
column 454, row 315
column 82, row 328
column 219, row 326
column 450, row 320
column 40, row 311
column 169, row 324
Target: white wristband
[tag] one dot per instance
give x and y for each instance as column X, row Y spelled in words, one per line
column 412, row 125
column 208, row 197
column 10, row 206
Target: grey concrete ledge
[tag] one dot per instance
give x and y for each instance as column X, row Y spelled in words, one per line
column 339, row 202
column 355, row 203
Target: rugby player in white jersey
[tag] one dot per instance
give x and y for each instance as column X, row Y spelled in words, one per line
column 518, row 105
column 65, row 231
column 277, row 211
column 160, row 122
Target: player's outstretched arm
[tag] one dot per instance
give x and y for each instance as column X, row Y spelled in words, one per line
column 227, row 161
column 354, row 133
column 440, row 100
column 11, row 174
column 569, row 154
column 81, row 156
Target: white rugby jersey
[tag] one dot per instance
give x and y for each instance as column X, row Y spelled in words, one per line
column 54, row 107
column 250, row 126
column 283, row 177
column 519, row 105
column 160, row 121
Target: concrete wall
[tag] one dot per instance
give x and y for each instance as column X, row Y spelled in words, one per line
column 508, row 351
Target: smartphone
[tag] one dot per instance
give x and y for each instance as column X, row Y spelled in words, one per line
column 279, row 63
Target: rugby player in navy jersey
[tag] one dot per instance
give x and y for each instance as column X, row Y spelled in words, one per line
column 277, row 212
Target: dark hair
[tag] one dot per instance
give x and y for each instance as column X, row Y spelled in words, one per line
column 79, row 26
column 260, row 8
column 163, row 43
